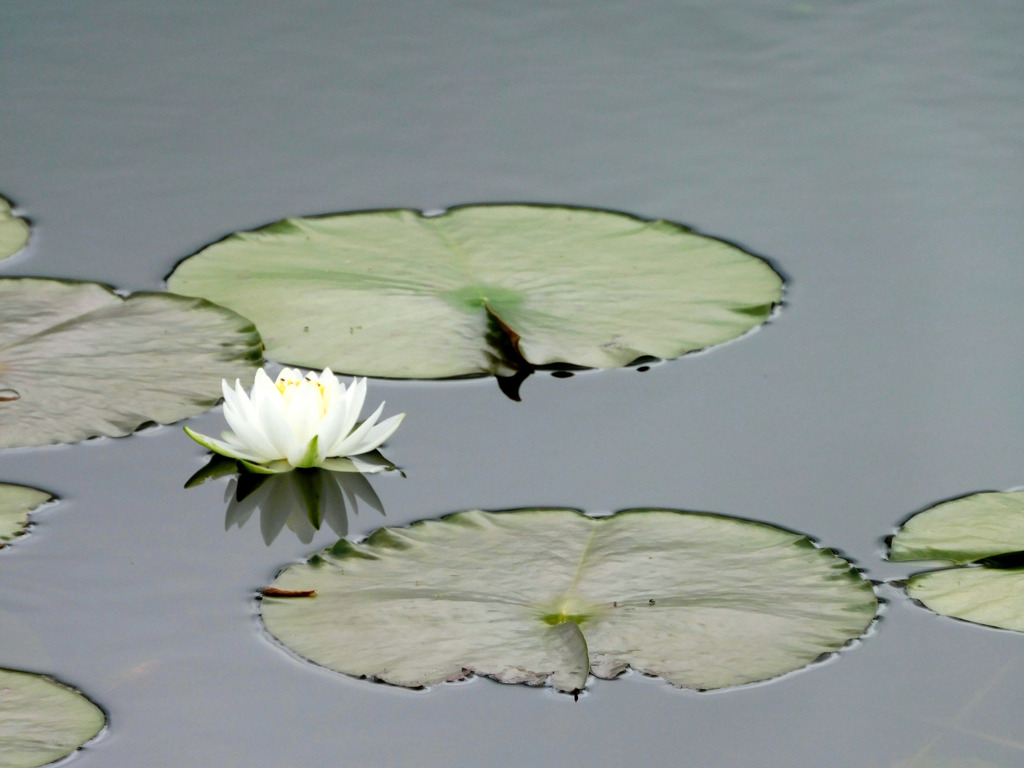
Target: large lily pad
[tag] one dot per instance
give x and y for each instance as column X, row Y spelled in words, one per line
column 985, row 532
column 42, row 720
column 77, row 360
column 16, row 501
column 13, row 231
column 701, row 600
column 487, row 289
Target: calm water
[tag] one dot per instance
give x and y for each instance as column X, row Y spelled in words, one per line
column 872, row 150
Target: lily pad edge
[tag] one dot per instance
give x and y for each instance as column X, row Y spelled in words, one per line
column 10, row 216
column 104, row 728
column 51, row 500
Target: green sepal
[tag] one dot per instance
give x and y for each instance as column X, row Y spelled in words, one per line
column 310, row 457
column 207, row 442
column 272, row 468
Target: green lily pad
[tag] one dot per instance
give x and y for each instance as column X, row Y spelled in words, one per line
column 487, row 289
column 963, row 530
column 77, row 360
column 530, row 595
column 985, row 533
column 13, row 231
column 990, row 596
column 16, row 501
column 42, row 720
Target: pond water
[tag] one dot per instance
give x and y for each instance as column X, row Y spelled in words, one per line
column 871, row 150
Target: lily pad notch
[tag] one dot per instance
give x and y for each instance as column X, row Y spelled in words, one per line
column 979, row 541
column 16, row 502
column 482, row 289
column 553, row 596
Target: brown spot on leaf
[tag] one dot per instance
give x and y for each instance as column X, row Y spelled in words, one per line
column 275, row 592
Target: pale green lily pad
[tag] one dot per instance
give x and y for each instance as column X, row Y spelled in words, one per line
column 14, row 231
column 78, row 361
column 16, row 501
column 963, row 530
column 488, row 289
column 532, row 595
column 984, row 531
column 42, row 720
column 990, row 596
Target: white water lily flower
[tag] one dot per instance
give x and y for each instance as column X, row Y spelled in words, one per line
column 297, row 422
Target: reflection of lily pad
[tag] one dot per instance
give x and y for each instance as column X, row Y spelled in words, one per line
column 42, row 720
column 13, row 231
column 481, row 289
column 16, row 501
column 984, row 531
column 77, row 360
column 700, row 600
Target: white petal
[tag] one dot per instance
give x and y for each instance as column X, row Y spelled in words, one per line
column 229, row 393
column 333, row 390
column 274, row 424
column 220, row 447
column 232, row 396
column 328, row 380
column 243, row 419
column 352, row 443
column 250, row 438
column 304, row 412
column 231, row 440
column 238, row 408
column 232, row 406
column 262, row 389
column 366, row 467
column 378, row 434
column 334, row 422
column 355, row 396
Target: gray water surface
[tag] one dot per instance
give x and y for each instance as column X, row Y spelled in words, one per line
column 872, row 150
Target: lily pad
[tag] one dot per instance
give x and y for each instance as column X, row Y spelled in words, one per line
column 42, row 720
column 530, row 595
column 486, row 289
column 13, row 231
column 985, row 533
column 16, row 501
column 77, row 360
column 963, row 530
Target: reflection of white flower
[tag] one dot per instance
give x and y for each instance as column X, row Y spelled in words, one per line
column 302, row 501
column 297, row 422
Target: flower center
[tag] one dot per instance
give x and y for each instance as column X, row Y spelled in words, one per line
column 289, row 387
